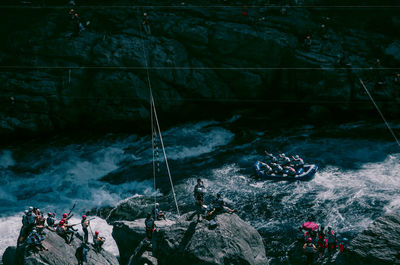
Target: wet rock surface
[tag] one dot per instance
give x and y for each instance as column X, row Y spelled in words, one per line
column 59, row 253
column 52, row 80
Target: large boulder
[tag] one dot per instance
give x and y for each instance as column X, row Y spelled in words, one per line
column 59, row 253
column 129, row 234
column 233, row 241
column 378, row 244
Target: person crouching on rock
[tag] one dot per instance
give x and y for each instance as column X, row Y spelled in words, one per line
column 150, row 226
column 219, row 206
column 309, row 249
column 98, row 241
column 157, row 213
column 63, row 231
column 34, row 242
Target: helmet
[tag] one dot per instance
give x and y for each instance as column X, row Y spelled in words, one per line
column 97, row 232
column 49, row 214
column 26, row 212
column 62, row 222
column 76, row 14
column 204, row 207
column 309, row 240
column 297, row 156
column 283, row 154
column 30, row 208
column 157, row 204
column 34, row 230
column 65, row 215
column 345, row 239
column 83, row 216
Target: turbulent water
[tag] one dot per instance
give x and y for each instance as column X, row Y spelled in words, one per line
column 357, row 181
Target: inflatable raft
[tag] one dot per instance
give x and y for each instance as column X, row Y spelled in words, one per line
column 305, row 173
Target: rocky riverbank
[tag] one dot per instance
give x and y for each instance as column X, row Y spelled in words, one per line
column 54, row 81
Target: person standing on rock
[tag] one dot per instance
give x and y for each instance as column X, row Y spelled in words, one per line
column 220, row 207
column 85, row 224
column 150, row 226
column 28, row 223
column 146, row 23
column 51, row 220
column 198, row 193
column 309, row 249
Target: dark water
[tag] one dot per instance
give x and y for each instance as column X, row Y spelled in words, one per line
column 358, row 179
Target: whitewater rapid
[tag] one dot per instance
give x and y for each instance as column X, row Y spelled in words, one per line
column 357, row 181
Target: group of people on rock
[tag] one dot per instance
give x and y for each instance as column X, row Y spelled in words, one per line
column 321, row 241
column 202, row 210
column 32, row 232
column 218, row 205
column 283, row 164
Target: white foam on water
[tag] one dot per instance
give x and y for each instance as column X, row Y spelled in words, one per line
column 9, row 231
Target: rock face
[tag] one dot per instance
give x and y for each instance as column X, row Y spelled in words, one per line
column 59, row 254
column 190, row 242
column 379, row 244
column 128, row 236
column 52, row 80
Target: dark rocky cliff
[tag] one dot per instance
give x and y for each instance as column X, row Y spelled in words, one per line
column 51, row 80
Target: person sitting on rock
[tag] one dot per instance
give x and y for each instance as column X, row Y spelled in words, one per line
column 309, row 249
column 150, row 226
column 220, row 207
column 34, row 242
column 98, row 241
column 157, row 213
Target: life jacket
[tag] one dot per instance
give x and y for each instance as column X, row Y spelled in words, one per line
column 323, row 243
column 309, row 248
column 199, row 192
column 31, row 219
column 50, row 221
column 84, row 226
column 60, row 230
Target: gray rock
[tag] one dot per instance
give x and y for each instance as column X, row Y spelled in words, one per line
column 192, row 242
column 129, row 234
column 378, row 244
column 60, row 253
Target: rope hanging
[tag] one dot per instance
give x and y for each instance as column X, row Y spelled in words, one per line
column 154, row 131
column 380, row 112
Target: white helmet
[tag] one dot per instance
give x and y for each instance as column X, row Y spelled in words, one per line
column 30, row 208
column 157, row 204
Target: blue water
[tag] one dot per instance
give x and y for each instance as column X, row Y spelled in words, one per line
column 358, row 179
